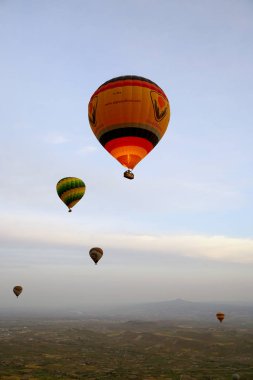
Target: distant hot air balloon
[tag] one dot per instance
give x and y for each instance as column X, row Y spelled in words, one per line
column 96, row 254
column 220, row 316
column 17, row 290
column 129, row 115
column 70, row 190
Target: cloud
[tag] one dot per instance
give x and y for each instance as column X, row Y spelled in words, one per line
column 55, row 138
column 87, row 149
column 38, row 232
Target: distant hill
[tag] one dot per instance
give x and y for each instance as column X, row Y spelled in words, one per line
column 184, row 310
column 173, row 310
column 178, row 310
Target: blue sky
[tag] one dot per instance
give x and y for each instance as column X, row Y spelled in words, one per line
column 183, row 227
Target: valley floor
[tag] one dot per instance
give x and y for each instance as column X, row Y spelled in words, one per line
column 100, row 350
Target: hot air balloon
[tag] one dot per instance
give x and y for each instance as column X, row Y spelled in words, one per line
column 235, row 376
column 220, row 316
column 129, row 115
column 17, row 290
column 70, row 190
column 96, row 254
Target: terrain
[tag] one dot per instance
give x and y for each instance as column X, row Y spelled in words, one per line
column 115, row 349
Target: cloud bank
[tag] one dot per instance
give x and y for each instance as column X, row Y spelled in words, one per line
column 56, row 233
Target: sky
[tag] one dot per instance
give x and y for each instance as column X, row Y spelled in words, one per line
column 183, row 227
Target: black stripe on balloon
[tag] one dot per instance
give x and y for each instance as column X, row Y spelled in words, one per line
column 129, row 132
column 128, row 77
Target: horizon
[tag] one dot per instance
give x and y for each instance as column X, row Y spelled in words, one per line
column 93, row 308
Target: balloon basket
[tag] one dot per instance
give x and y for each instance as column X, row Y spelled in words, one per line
column 129, row 174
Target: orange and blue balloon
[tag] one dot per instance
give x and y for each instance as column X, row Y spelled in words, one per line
column 129, row 115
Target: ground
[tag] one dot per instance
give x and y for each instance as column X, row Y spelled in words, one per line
column 75, row 349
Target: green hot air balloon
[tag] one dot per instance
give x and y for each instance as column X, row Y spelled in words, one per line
column 17, row 290
column 96, row 254
column 70, row 191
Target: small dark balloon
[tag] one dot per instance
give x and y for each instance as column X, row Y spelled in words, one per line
column 96, row 254
column 220, row 316
column 17, row 290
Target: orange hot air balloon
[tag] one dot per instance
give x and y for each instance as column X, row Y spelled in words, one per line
column 220, row 316
column 129, row 115
column 17, row 290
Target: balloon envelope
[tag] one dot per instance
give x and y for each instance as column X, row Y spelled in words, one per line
column 220, row 316
column 17, row 290
column 129, row 115
column 96, row 254
column 70, row 190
